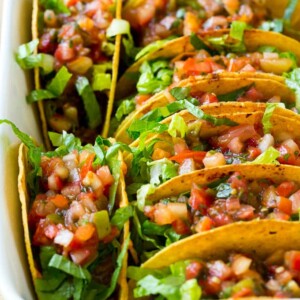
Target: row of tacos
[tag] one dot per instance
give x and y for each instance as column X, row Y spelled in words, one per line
column 199, row 192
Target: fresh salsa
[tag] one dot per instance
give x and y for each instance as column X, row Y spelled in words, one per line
column 154, row 20
column 231, row 199
column 238, row 276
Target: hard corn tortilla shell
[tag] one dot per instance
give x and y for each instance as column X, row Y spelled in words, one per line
column 111, row 93
column 121, row 198
column 183, row 183
column 24, row 199
column 115, row 69
column 259, row 238
column 253, row 39
column 218, row 84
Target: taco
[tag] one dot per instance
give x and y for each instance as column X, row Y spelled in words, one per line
column 206, row 199
column 205, row 93
column 75, row 215
column 250, row 260
column 76, row 58
column 254, row 51
column 156, row 20
column 185, row 143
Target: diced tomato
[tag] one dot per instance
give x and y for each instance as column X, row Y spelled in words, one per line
column 39, row 237
column 51, row 231
column 242, row 132
column 180, row 227
column 221, row 220
column 242, row 293
column 46, row 44
column 204, row 224
column 84, row 232
column 208, row 98
column 238, row 182
column 287, row 156
column 60, row 201
column 236, row 64
column 105, row 176
column 113, row 233
column 149, row 212
column 253, row 152
column 64, row 53
column 295, row 198
column 193, row 270
column 139, row 16
column 246, row 212
column 87, row 166
column 292, row 260
column 211, row 285
column 180, row 146
column 285, row 189
column 219, row 269
column 253, row 95
column 83, row 255
column 233, row 204
column 141, row 99
column 198, row 156
column 278, row 215
column 194, row 68
column 285, row 205
column 71, row 2
column 199, row 199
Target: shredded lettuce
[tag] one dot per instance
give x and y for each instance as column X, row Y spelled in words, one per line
column 180, row 93
column 293, row 82
column 177, row 126
column 142, row 194
column 54, row 89
column 101, row 82
column 237, row 30
column 190, row 290
column 121, row 216
column 268, row 157
column 57, row 5
column 197, row 112
column 63, row 264
column 266, row 120
column 155, row 76
column 59, row 82
column 198, row 43
column 125, row 108
column 26, row 58
column 161, row 170
column 233, row 96
column 90, row 102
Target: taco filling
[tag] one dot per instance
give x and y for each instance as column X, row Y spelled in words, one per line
column 157, row 20
column 238, row 276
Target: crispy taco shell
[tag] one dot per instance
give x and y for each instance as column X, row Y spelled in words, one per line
column 121, row 199
column 219, row 85
column 111, row 93
column 259, row 238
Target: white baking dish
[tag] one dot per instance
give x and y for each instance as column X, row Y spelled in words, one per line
column 15, row 18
